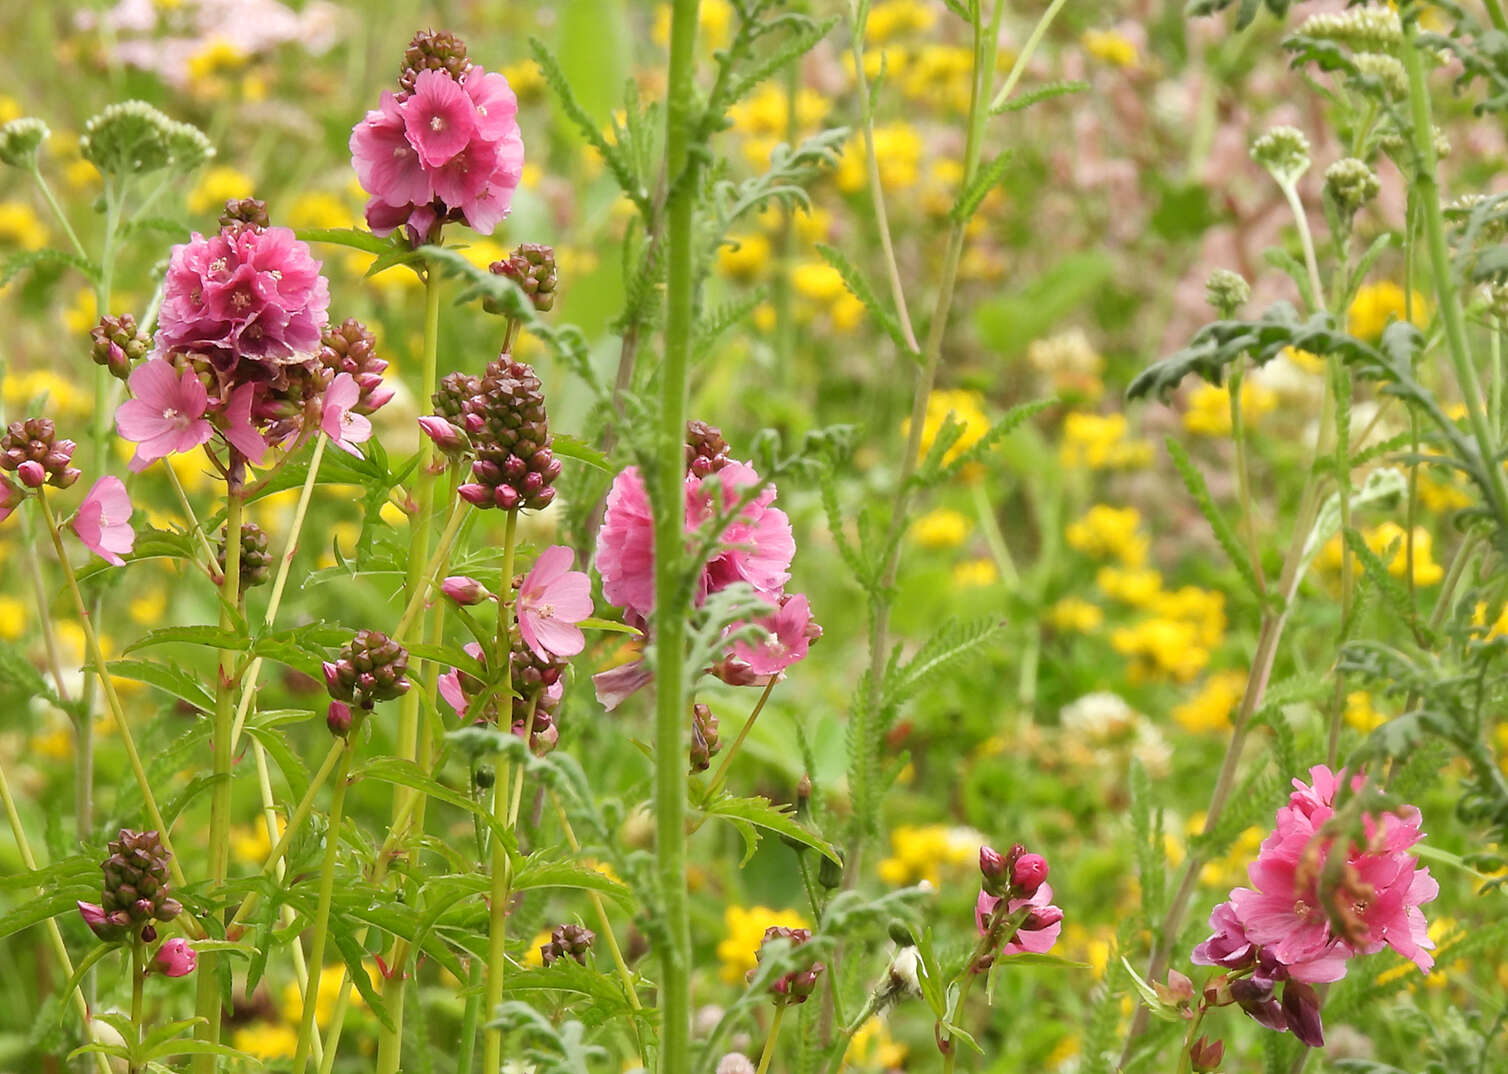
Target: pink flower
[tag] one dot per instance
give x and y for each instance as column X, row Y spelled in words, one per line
column 244, row 294
column 449, row 683
column 176, row 958
column 789, row 632
column 10, row 497
column 625, row 545
column 551, row 601
column 616, row 685
column 166, row 417
column 339, row 421
column 387, row 165
column 1038, row 932
column 496, row 104
column 103, row 521
column 108, row 927
column 439, row 118
column 239, row 430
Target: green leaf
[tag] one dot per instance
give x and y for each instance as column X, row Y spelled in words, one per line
column 207, row 636
column 1007, row 324
column 167, row 677
column 405, row 773
column 342, row 931
column 859, row 287
column 1038, row 95
column 1155, row 1006
column 535, row 873
column 570, row 447
column 748, row 813
column 1030, row 958
column 23, row 260
column 85, row 964
column 355, row 238
column 1230, row 544
column 953, row 641
column 983, row 182
column 593, row 623
column 45, row 905
column 17, row 674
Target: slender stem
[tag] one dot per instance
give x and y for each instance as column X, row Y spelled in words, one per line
column 671, row 777
column 769, row 1042
column 54, row 933
column 1019, row 67
column 138, row 980
column 62, row 217
column 1427, row 188
column 1495, row 13
column 193, row 520
column 502, row 864
column 1243, row 478
column 1495, row 399
column 626, row 975
column 112, row 699
column 743, row 732
column 1306, row 240
column 466, row 1056
column 322, row 911
column 83, row 757
column 999, row 550
column 432, row 570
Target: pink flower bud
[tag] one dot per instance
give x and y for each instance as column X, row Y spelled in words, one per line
column 1205, row 1055
column 175, row 958
column 1027, row 875
column 446, row 436
column 31, row 474
column 10, row 497
column 992, row 867
column 1042, row 917
column 463, row 590
column 339, row 719
column 476, row 494
column 99, row 922
column 332, row 676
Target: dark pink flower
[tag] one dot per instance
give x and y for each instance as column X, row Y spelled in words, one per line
column 239, row 430
column 387, row 164
column 788, row 634
column 103, row 521
column 616, row 685
column 496, row 104
column 166, row 417
column 108, row 927
column 10, row 497
column 625, row 545
column 176, row 958
column 551, row 601
column 439, row 118
column 245, row 293
column 339, row 421
column 758, row 546
column 1038, row 932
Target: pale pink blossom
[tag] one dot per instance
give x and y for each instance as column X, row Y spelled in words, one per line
column 103, row 521
column 449, row 684
column 339, row 421
column 788, row 634
column 166, row 415
column 551, row 601
column 176, row 958
column 239, row 430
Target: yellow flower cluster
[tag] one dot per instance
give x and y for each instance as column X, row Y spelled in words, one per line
column 1360, row 713
column 20, row 226
column 1110, row 46
column 890, row 19
column 1076, row 615
column 220, row 184
column 942, row 528
column 1210, row 709
column 1230, row 870
column 1183, row 627
column 1107, row 532
column 897, row 151
column 1379, row 539
column 27, row 390
column 872, row 1046
column 919, row 853
column 744, row 932
column 976, row 574
column 770, row 116
column 1209, row 408
column 966, row 408
column 1377, row 305
column 1099, row 442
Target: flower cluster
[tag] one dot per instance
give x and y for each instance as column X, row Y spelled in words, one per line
column 445, row 146
column 32, row 451
column 1309, row 911
column 794, row 986
column 1018, row 880
column 371, row 667
column 755, row 548
column 504, row 416
column 136, row 888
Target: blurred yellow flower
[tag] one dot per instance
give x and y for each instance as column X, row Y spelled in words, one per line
column 10, row 108
column 919, row 853
column 1076, row 615
column 220, row 184
column 1230, row 870
column 1377, row 305
column 217, row 56
column 942, row 528
column 1360, row 714
column 1203, row 609
column 743, row 934
column 1426, row 570
column 533, row 955
column 249, row 844
column 965, row 408
column 320, row 208
column 83, row 314
column 744, row 257
column 872, row 1046
column 525, row 79
column 1441, row 497
column 890, row 19
column 1098, row 442
column 1305, row 360
column 1161, row 648
column 20, row 226
column 1137, row 588
column 975, row 574
column 818, row 281
column 714, row 24
column 1499, row 627
column 1209, row 408
column 12, row 617
column 898, row 151
column 266, row 1040
column 1210, row 708
column 1110, row 46
column 329, row 993
column 1107, row 532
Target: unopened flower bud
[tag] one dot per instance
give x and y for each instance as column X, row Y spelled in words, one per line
column 148, row 934
column 176, row 958
column 829, row 873
column 704, row 741
column 19, row 141
column 101, row 923
column 1226, row 292
column 245, row 213
column 1042, row 917
column 1027, row 875
column 1351, row 184
column 485, row 777
column 995, row 870
column 10, row 497
column 31, row 474
column 117, row 342
column 572, row 940
column 1284, row 152
column 464, row 591
column 532, row 267
column 1205, row 1055
column 338, row 719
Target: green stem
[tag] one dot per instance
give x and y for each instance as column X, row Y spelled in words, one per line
column 62, row 217
column 769, row 1042
column 316, row 958
column 1019, row 67
column 721, row 774
column 470, row 1018
column 138, row 980
column 671, row 731
column 999, row 550
column 1427, row 189
column 1243, row 478
column 112, row 699
column 1495, row 13
column 502, row 864
column 1306, row 240
column 209, row 1003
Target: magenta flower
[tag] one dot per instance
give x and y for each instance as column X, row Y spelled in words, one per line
column 339, row 421
column 108, row 927
column 626, row 546
column 10, row 497
column 551, row 601
column 1038, row 932
column 239, row 430
column 439, row 117
column 387, row 165
column 166, row 416
column 789, row 632
column 176, row 958
column 103, row 521
column 248, row 294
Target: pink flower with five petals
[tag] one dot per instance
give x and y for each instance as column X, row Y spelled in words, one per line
column 103, row 521
column 551, row 601
column 166, row 417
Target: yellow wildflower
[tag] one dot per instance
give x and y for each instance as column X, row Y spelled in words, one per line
column 872, row 1046
column 1110, row 46
column 1138, row 588
column 965, row 409
column 1426, row 570
column 249, row 844
column 1210, row 708
column 847, row 313
column 12, row 618
column 10, row 108
column 216, row 57
column 942, row 528
column 1377, row 305
column 220, row 184
column 329, row 992
column 975, row 573
column 919, row 853
column 890, row 19
column 148, row 608
column 818, row 281
column 1203, row 609
column 1110, row 532
column 1499, row 627
column 897, row 149
column 1305, row 360
column 1360, row 714
column 738, row 949
column 266, row 1040
column 533, row 956
column 1077, row 615
column 1230, row 870
column 20, row 226
column 525, row 79
column 1161, row 648
column 744, row 257
column 320, row 208
column 1098, row 442
column 940, row 74
column 1209, row 408
column 1441, row 497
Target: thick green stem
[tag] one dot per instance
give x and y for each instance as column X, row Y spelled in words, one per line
column 671, row 731
column 470, row 1018
column 138, row 980
column 316, row 957
column 502, row 809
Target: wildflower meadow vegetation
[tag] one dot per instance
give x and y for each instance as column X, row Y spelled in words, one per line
column 987, row 521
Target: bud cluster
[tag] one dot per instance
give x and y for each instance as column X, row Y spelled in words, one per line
column 508, row 426
column 133, row 138
column 136, row 887
column 256, row 555
column 19, row 141
column 31, row 450
column 117, row 342
column 532, row 266
column 350, row 347
column 1284, row 152
column 539, row 691
column 243, row 213
column 704, row 743
column 1016, row 874
column 1351, row 184
column 572, row 940
column 371, row 667
column 795, row 986
column 1226, row 291
column 706, row 450
column 1373, row 28
column 433, row 50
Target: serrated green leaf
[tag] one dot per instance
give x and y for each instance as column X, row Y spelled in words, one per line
column 762, row 813
column 1225, row 534
column 570, row 447
column 859, row 287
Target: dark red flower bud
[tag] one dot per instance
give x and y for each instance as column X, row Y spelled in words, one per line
column 1205, row 1055
column 994, row 869
column 339, row 719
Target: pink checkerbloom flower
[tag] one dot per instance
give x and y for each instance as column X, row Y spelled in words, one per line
column 1038, row 931
column 176, row 958
column 448, row 149
column 103, row 521
column 338, row 418
column 166, row 415
column 551, row 601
